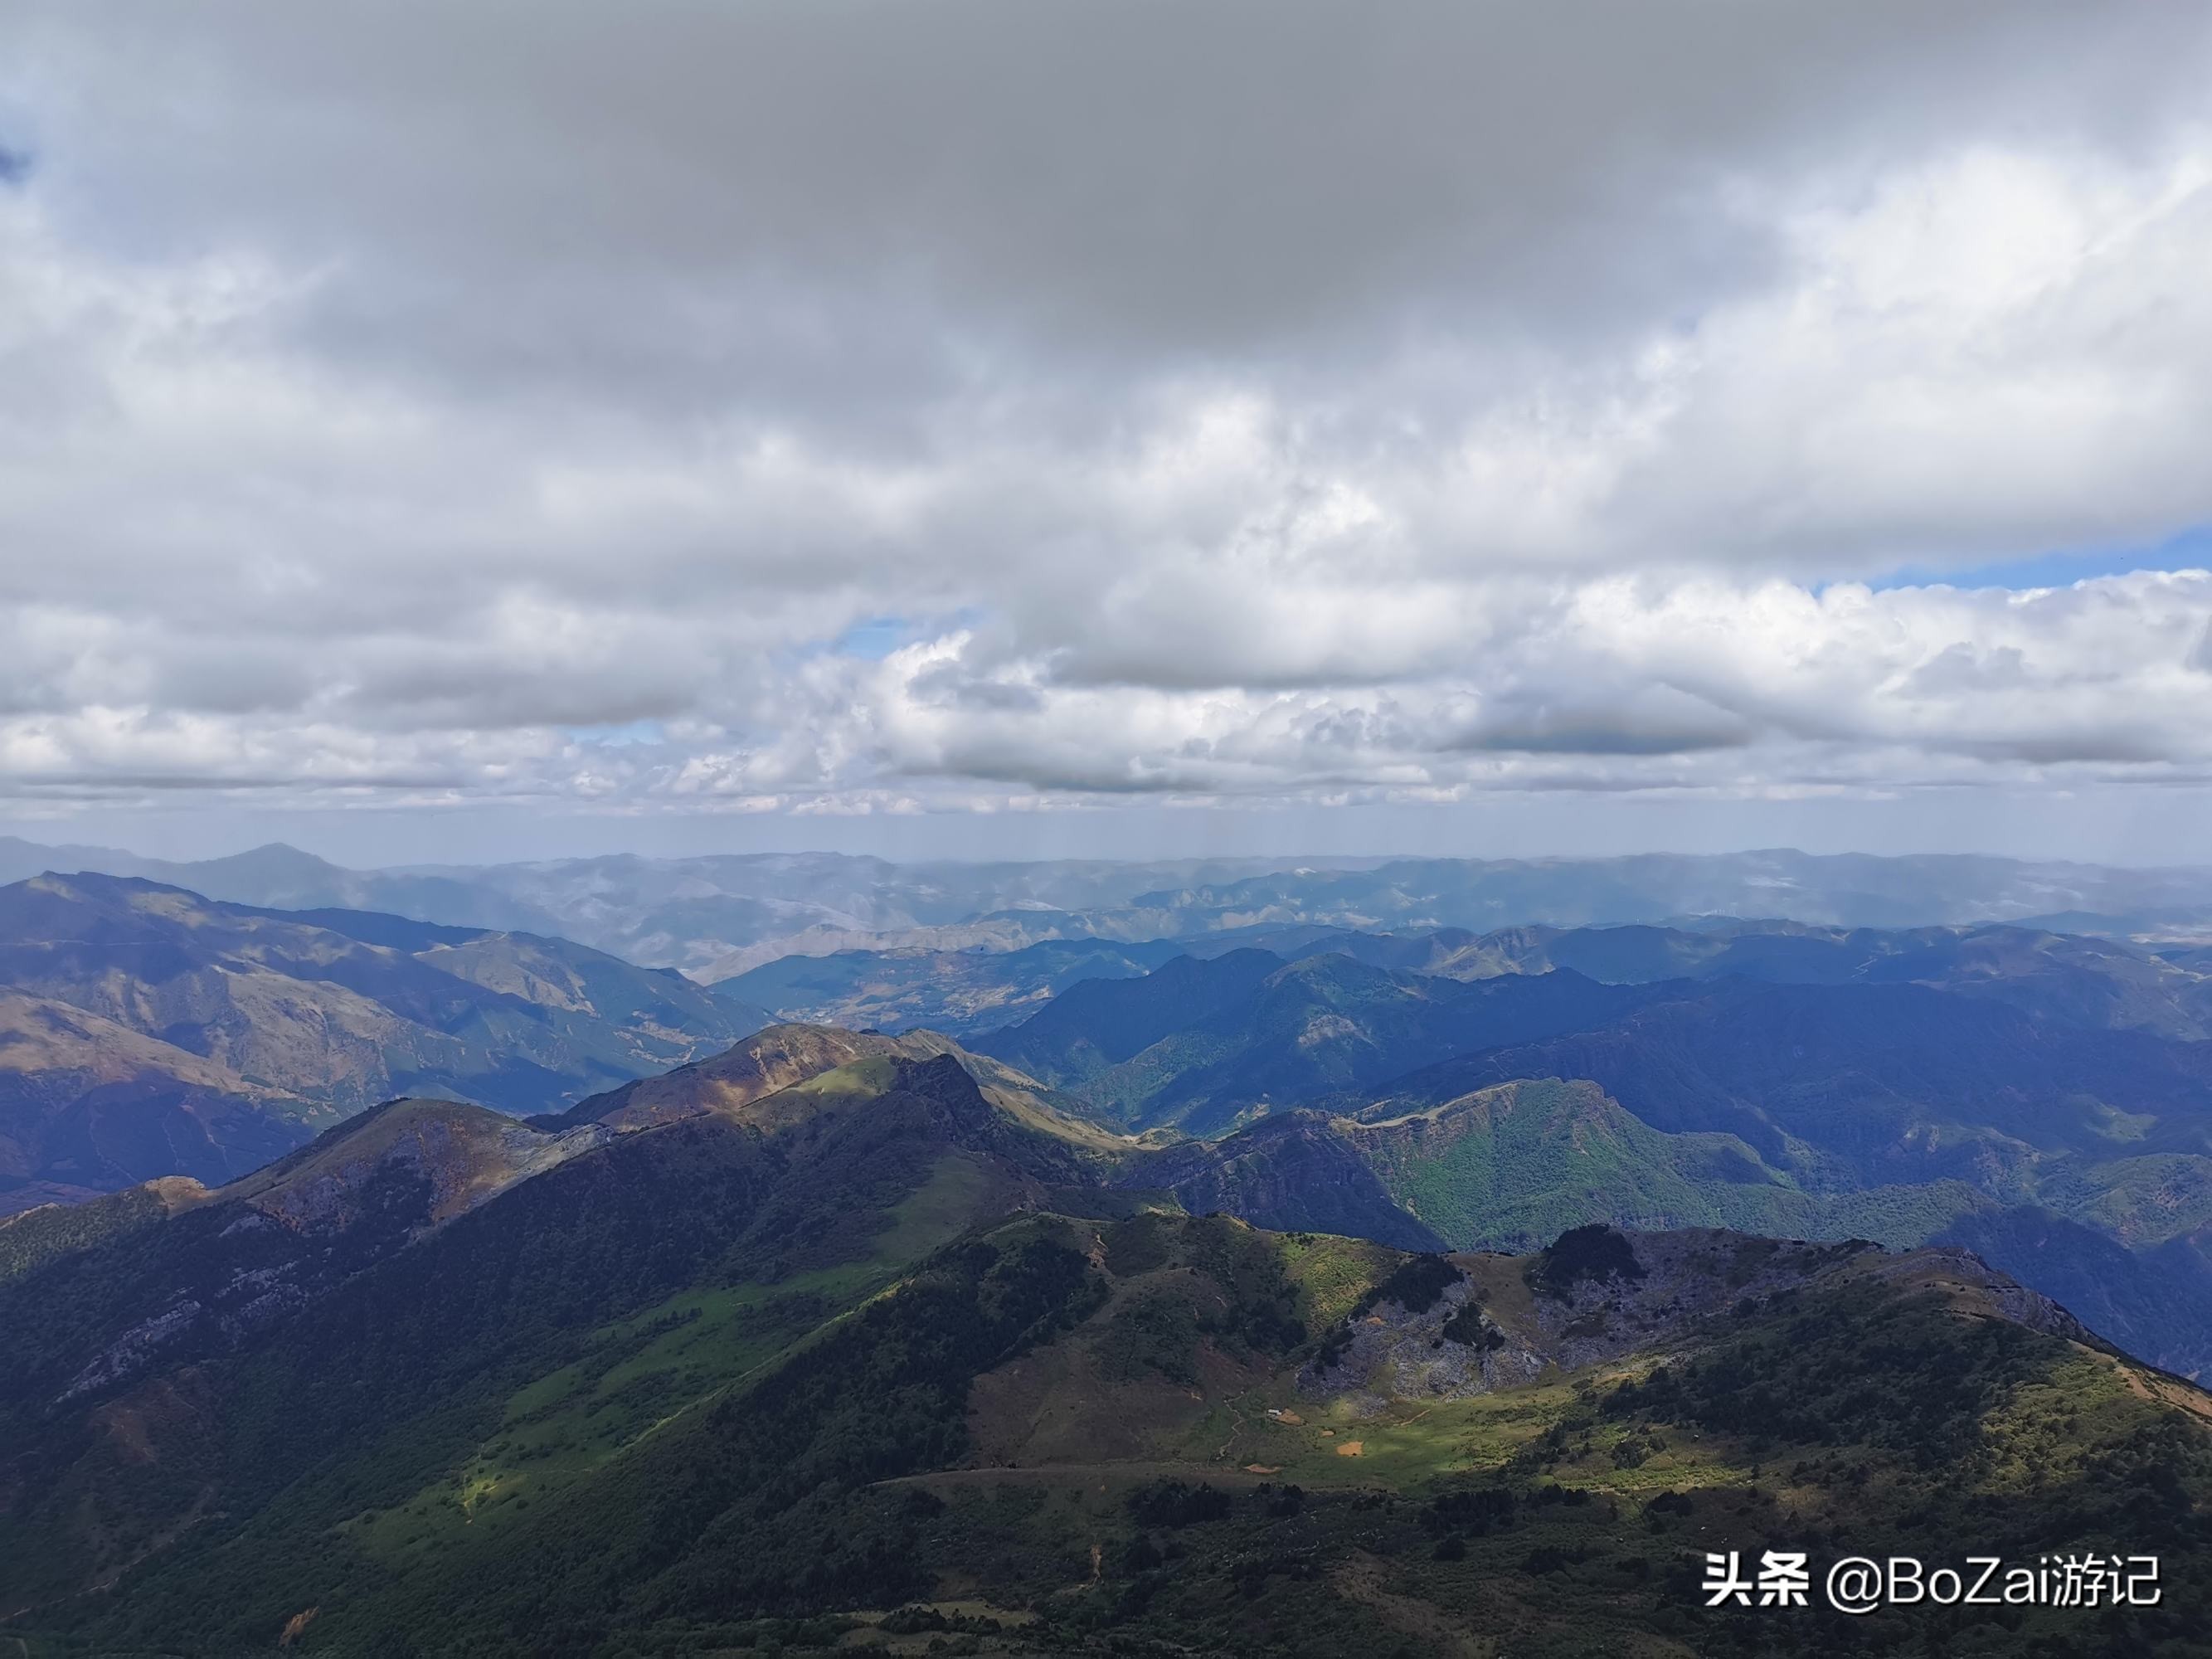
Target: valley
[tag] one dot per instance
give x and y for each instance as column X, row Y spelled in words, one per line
column 912, row 1351
column 1294, row 1291
column 993, row 831
column 150, row 1031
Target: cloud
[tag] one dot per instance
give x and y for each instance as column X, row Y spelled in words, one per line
column 1227, row 402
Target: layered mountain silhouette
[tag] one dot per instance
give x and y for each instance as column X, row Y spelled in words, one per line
column 1305, row 1287
column 1198, row 1044
column 2075, row 979
column 2072, row 978
column 873, row 1356
column 1847, row 1103
column 826, row 1344
column 150, row 1031
column 724, row 916
column 2026, row 1091
column 959, row 992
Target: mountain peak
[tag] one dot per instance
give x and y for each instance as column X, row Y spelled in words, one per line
column 769, row 1061
column 279, row 855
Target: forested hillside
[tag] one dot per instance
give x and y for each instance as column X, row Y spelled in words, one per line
column 880, row 1362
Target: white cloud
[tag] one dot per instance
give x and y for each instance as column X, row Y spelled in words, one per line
column 1450, row 408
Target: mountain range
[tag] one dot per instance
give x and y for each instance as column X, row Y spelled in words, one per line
column 1326, row 1093
column 146, row 1031
column 383, row 1286
column 775, row 1357
column 2075, row 978
column 723, row 915
column 2044, row 1098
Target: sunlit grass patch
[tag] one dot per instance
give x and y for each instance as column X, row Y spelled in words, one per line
column 661, row 1362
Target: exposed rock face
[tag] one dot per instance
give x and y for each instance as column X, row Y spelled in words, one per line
column 130, row 1351
column 1395, row 1355
column 1507, row 1320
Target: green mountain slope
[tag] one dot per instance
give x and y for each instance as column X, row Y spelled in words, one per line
column 1858, row 1085
column 838, row 1338
column 1521, row 1162
column 402, row 1295
column 881, row 1386
column 1290, row 1172
column 1510, row 1166
column 1840, row 1098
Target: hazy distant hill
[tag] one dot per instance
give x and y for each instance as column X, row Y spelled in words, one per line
column 724, row 916
column 284, row 878
column 2080, row 980
column 150, row 1031
column 688, row 913
column 2077, row 979
column 1845, row 890
column 954, row 991
column 1865, row 1082
column 869, row 1357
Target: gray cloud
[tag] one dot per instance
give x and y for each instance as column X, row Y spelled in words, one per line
column 1197, row 179
column 425, row 405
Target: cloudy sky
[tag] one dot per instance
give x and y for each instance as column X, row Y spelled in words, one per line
column 480, row 428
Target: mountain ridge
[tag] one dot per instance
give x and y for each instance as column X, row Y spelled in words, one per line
column 1036, row 1379
column 720, row 915
column 203, row 1038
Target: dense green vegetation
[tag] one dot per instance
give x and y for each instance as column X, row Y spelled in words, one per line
column 763, row 1466
column 504, row 1353
column 1861, row 1421
column 53, row 1231
column 874, row 1359
column 2075, row 1159
column 1593, row 1252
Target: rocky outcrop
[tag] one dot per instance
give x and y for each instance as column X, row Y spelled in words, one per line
column 1506, row 1321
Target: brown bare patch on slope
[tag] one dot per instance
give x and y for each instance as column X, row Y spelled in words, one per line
column 468, row 1153
column 780, row 1057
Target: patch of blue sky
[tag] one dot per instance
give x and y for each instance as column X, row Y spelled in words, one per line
column 618, row 737
column 873, row 638
column 2190, row 550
